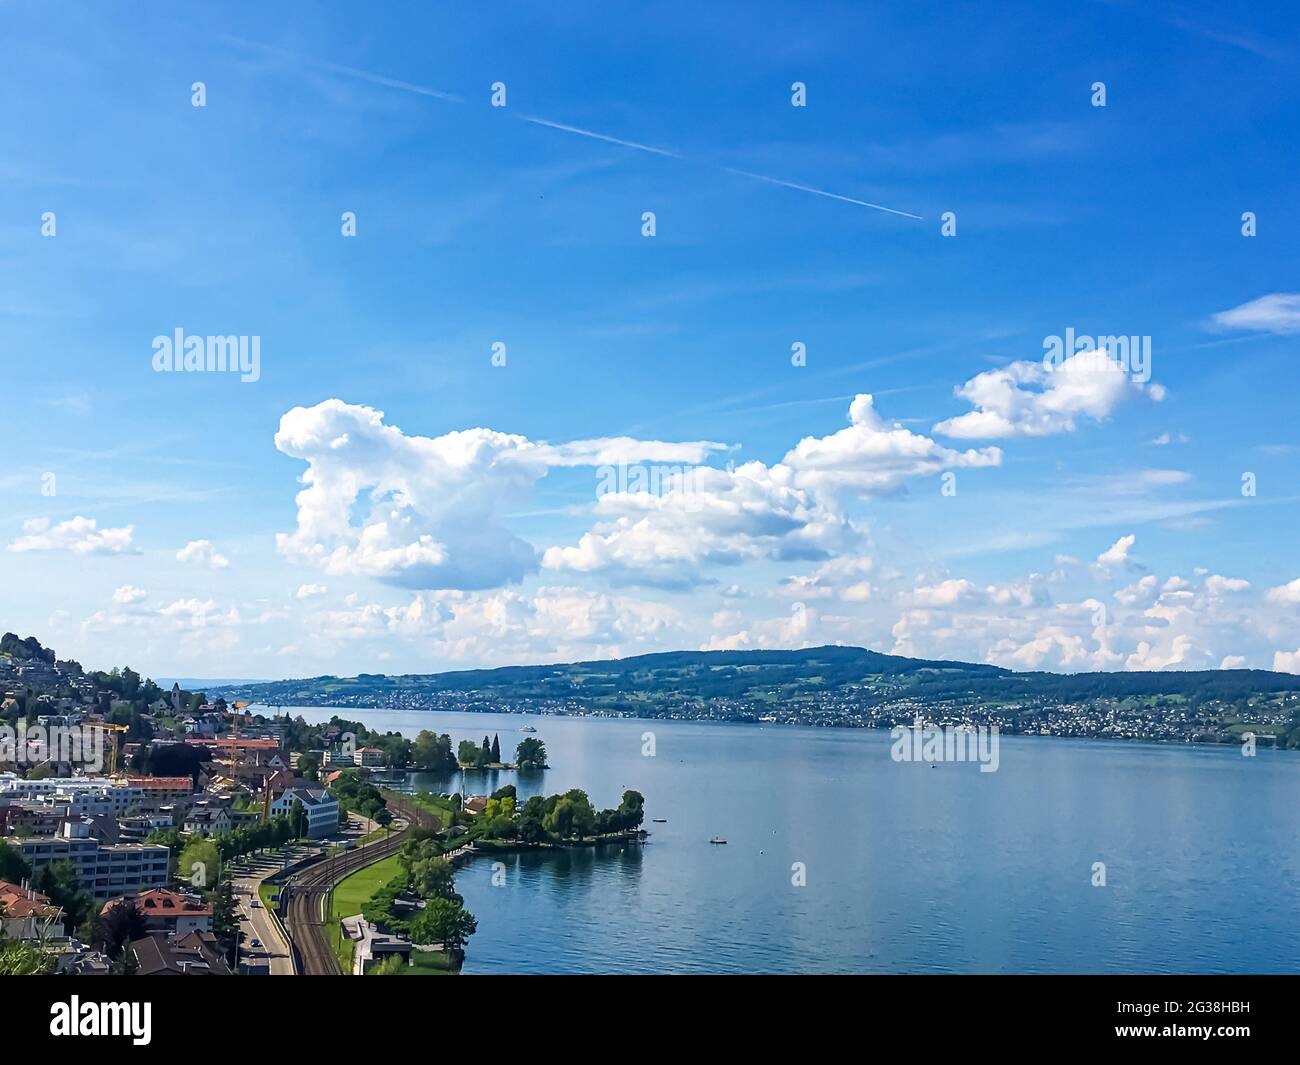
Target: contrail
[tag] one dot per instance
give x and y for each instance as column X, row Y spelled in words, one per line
column 820, row 192
column 421, row 90
column 597, row 136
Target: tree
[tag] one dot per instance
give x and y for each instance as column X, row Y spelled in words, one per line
column 443, row 921
column 59, row 882
column 467, row 753
column 496, row 749
column 198, row 862
column 225, row 914
column 13, row 867
column 531, row 753
column 433, row 878
column 119, row 926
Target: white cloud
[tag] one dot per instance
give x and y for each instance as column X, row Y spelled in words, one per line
column 1286, row 661
column 81, row 536
column 201, row 551
column 435, row 504
column 1034, row 399
column 1278, row 313
column 1217, row 585
column 1118, row 552
column 873, row 457
column 1233, row 662
column 311, row 591
column 1287, row 594
column 127, row 594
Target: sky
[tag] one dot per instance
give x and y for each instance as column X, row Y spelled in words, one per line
column 589, row 330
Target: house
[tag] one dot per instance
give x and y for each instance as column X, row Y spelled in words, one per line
column 321, row 807
column 165, row 910
column 369, row 758
column 168, row 954
column 206, row 821
column 28, row 915
column 475, row 804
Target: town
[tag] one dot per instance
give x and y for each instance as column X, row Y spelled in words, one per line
column 183, row 836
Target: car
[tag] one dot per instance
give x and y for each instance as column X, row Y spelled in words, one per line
column 255, row 904
column 255, row 943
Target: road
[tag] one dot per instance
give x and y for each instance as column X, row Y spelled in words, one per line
column 247, row 877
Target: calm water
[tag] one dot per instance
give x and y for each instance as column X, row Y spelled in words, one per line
column 909, row 868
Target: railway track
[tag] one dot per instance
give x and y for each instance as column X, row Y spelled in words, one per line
column 306, row 916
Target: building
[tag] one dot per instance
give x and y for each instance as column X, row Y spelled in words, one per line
column 369, row 758
column 371, row 945
column 165, row 910
column 28, row 915
column 168, row 954
column 102, row 871
column 321, row 807
column 206, row 821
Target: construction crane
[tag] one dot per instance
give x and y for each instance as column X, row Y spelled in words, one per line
column 104, row 726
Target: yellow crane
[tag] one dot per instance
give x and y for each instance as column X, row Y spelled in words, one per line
column 104, row 726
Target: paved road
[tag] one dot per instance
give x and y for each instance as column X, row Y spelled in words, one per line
column 248, row 875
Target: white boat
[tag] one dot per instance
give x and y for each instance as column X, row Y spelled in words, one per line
column 527, row 728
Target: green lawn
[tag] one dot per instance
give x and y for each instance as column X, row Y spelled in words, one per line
column 265, row 891
column 351, row 894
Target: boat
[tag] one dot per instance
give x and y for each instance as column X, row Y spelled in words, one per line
column 659, row 820
column 717, row 839
column 527, row 728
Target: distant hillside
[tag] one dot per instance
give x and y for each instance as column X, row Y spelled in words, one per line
column 767, row 676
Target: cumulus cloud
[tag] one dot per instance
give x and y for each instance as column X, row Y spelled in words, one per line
column 1287, row 661
column 1118, row 552
column 202, row 553
column 81, row 536
column 842, row 578
column 310, row 591
column 873, row 457
column 1287, row 594
column 430, row 507
column 1034, row 399
column 721, row 517
column 1277, row 313
column 127, row 594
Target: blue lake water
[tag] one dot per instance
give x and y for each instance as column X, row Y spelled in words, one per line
column 909, row 868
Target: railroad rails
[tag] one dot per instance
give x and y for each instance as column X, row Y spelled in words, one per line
column 304, row 897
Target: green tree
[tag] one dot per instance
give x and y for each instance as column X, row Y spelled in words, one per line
column 59, row 882
column 496, row 748
column 531, row 753
column 13, row 867
column 198, row 863
column 443, row 921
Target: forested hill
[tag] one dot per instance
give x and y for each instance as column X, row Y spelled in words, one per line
column 767, row 675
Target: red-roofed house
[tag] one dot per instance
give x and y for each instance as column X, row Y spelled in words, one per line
column 164, row 910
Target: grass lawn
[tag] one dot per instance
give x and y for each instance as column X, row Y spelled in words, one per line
column 352, row 893
column 265, row 891
column 427, row 963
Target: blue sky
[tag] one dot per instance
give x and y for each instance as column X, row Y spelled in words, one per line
column 475, row 224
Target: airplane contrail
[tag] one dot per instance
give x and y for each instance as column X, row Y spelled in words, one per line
column 597, row 136
column 421, row 90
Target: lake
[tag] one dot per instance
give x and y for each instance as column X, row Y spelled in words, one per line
column 908, row 868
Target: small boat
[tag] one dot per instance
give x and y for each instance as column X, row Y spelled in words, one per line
column 527, row 728
column 659, row 820
column 717, row 839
